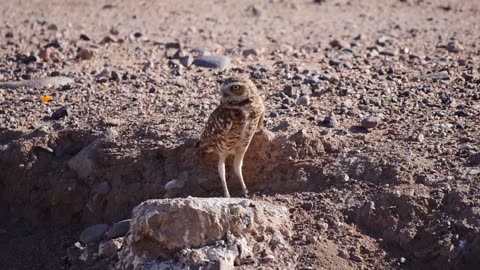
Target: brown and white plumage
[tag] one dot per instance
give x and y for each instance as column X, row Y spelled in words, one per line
column 232, row 124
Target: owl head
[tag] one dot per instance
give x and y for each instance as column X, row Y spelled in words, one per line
column 238, row 92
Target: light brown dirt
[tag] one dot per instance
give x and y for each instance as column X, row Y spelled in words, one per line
column 359, row 199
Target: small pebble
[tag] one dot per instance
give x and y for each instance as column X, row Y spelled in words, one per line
column 370, row 122
column 442, row 75
column 60, row 113
column 341, row 44
column 454, row 46
column 330, row 121
column 303, row 100
column 212, row 61
column 420, row 137
column 84, row 54
column 356, row 258
column 268, row 258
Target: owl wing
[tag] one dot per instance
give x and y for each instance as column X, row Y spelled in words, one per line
column 218, row 125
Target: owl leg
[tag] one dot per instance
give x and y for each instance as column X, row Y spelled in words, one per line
column 221, row 172
column 237, row 167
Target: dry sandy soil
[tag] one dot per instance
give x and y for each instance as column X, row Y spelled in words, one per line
column 402, row 195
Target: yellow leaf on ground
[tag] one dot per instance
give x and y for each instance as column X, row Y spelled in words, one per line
column 46, row 99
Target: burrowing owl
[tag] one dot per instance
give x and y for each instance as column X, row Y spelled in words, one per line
column 232, row 124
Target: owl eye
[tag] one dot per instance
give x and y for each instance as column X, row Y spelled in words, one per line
column 235, row 87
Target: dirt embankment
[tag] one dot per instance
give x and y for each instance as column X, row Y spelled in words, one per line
column 370, row 141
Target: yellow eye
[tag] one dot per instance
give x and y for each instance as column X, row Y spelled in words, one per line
column 235, row 87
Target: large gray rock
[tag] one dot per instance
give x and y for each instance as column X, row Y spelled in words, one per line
column 119, row 229
column 93, row 233
column 83, row 163
column 203, row 230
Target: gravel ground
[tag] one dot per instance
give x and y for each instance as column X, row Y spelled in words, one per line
column 371, row 134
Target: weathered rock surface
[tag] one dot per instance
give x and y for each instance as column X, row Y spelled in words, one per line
column 203, row 230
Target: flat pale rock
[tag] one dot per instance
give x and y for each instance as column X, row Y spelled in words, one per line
column 212, row 61
column 37, row 83
column 174, row 224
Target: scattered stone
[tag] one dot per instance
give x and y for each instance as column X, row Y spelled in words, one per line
column 330, row 121
column 52, row 27
column 248, row 52
column 307, row 206
column 343, row 254
column 148, row 65
column 93, row 233
column 83, row 162
column 382, row 41
column 269, row 258
column 389, row 52
column 474, row 172
column 442, row 75
column 29, row 59
column 304, row 100
column 114, row 76
column 186, row 61
column 360, row 37
column 311, row 80
column 356, row 258
column 289, row 90
column 340, row 44
column 370, row 122
column 212, row 61
column 373, row 53
column 84, row 37
column 135, row 36
column 60, row 113
column 172, row 45
column 45, row 54
column 112, row 122
column 108, row 39
column 454, row 46
column 84, row 54
column 119, row 229
column 110, row 247
column 335, row 62
column 420, row 138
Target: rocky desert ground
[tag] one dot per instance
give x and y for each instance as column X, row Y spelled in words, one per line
column 369, row 158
